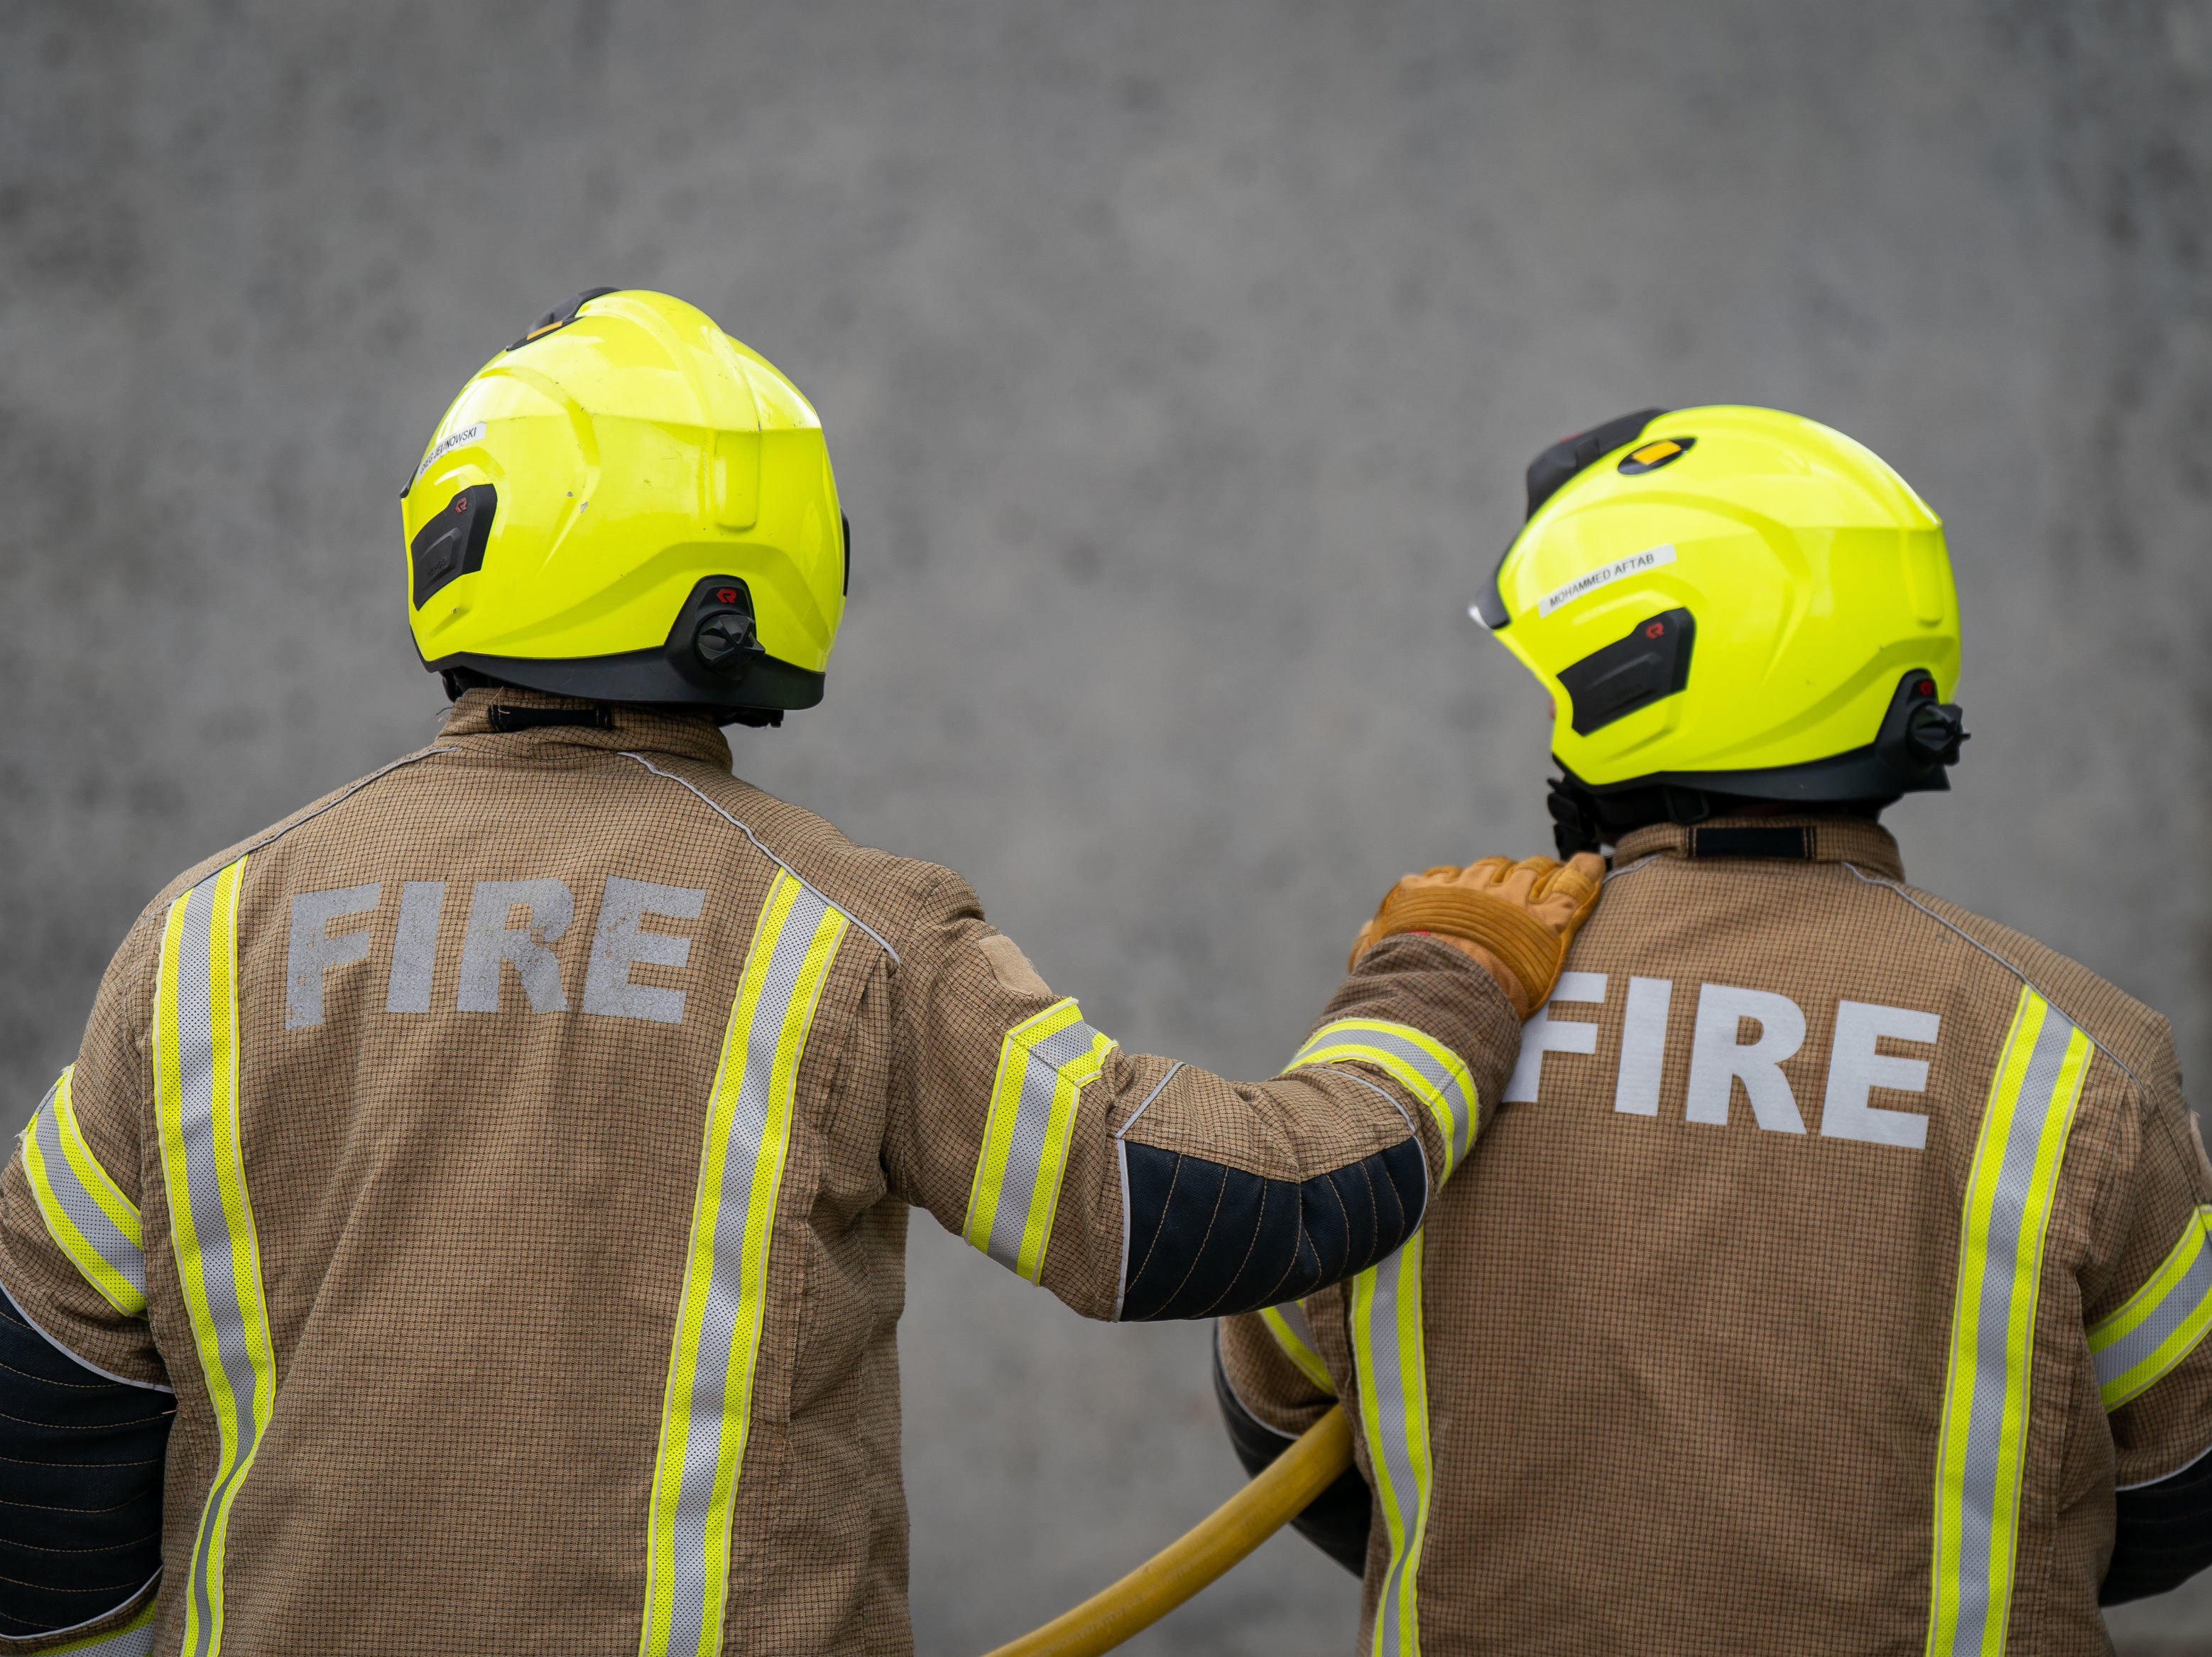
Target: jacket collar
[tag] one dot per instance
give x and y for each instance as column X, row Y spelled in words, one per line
column 506, row 721
column 1812, row 837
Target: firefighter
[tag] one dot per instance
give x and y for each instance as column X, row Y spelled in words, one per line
column 1835, row 1277
column 498, row 1169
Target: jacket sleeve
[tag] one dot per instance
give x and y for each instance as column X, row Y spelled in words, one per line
column 2161, row 1535
column 1138, row 1187
column 2147, row 1314
column 1272, row 1386
column 81, row 1462
column 84, row 1404
column 2147, row 1320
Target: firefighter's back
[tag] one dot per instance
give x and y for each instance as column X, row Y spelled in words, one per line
column 1759, row 1324
column 460, row 1113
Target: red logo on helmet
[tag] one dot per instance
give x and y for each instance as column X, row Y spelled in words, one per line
column 1656, row 629
column 727, row 595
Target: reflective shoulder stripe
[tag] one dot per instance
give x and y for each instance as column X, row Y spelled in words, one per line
column 1287, row 1323
column 1393, row 1413
column 706, row 1414
column 196, row 1087
column 1429, row 1070
column 135, row 1638
column 2161, row 1322
column 86, row 1212
column 1984, row 1438
column 1044, row 1064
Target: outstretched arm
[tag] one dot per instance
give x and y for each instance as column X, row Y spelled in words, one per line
column 1134, row 1186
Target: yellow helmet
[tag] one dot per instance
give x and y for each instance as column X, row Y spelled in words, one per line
column 1729, row 601
column 629, row 505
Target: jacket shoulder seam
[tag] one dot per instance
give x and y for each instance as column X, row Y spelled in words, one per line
column 2096, row 1041
column 159, row 904
column 727, row 816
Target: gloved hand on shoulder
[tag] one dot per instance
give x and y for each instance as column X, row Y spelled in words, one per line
column 1515, row 918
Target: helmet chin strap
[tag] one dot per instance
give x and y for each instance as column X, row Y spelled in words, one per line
column 1584, row 819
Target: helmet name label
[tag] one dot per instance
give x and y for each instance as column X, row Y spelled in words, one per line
column 468, row 434
column 1634, row 564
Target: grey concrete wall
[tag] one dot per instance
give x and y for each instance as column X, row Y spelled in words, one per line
column 1179, row 362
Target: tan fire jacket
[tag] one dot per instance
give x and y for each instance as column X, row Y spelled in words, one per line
column 506, row 1160
column 1835, row 1254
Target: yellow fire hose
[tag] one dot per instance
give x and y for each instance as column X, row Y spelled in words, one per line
column 1202, row 1554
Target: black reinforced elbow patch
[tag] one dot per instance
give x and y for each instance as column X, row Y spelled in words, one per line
column 80, row 1465
column 1207, row 1240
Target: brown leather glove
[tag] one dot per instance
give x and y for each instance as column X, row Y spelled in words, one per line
column 1516, row 918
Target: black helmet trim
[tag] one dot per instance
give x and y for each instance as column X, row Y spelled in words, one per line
column 1919, row 741
column 1551, row 472
column 1648, row 665
column 561, row 315
column 451, row 544
column 712, row 658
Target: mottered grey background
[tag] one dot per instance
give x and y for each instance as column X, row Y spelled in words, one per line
column 1180, row 363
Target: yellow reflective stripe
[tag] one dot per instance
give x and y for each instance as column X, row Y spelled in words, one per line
column 1292, row 1335
column 195, row 1076
column 2160, row 1324
column 1427, row 1069
column 1393, row 1414
column 133, row 1638
column 1984, row 1441
column 706, row 1416
column 86, row 1213
column 1044, row 1064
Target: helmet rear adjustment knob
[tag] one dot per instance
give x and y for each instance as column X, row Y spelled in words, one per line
column 727, row 642
column 1934, row 732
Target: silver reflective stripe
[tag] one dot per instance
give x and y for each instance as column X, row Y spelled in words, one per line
column 1389, row 1446
column 748, row 1132
column 1451, row 1086
column 117, row 1252
column 1294, row 1313
column 1393, row 1414
column 2175, row 1307
column 218, row 1275
column 134, row 1638
column 1986, row 1418
column 1424, row 1068
column 197, row 1060
column 1020, row 1190
column 707, row 1409
column 2140, row 1343
column 124, row 1643
column 1981, row 1458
